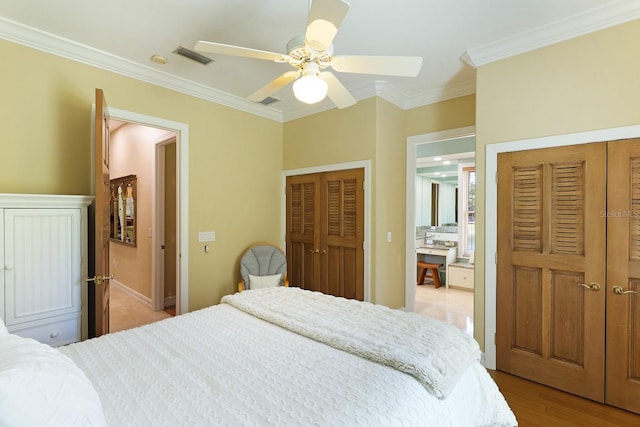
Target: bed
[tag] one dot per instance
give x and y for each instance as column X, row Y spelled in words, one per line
column 275, row 356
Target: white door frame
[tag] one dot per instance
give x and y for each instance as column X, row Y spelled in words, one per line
column 491, row 207
column 181, row 131
column 363, row 164
column 410, row 220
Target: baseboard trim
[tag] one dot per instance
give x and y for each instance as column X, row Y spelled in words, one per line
column 133, row 293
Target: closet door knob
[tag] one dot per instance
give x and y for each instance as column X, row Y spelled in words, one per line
column 591, row 286
column 619, row 290
column 8, row 267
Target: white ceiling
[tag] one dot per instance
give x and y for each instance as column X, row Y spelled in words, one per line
column 121, row 35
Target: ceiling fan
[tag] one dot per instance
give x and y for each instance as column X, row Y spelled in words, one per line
column 312, row 53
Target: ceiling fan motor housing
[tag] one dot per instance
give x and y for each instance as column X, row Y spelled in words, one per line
column 299, row 51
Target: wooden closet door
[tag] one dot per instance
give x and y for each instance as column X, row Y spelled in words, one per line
column 623, row 272
column 342, row 234
column 551, row 248
column 303, row 231
column 325, row 232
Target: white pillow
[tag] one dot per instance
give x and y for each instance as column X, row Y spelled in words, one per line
column 39, row 386
column 3, row 328
column 257, row 282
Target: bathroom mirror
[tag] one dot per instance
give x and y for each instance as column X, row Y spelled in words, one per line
column 436, row 202
column 123, row 210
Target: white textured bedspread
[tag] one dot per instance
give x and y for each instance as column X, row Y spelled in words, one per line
column 435, row 353
column 223, row 367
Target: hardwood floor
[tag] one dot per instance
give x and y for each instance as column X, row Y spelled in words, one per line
column 126, row 312
column 533, row 404
column 538, row 405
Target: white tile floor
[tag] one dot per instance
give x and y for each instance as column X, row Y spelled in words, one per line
column 449, row 305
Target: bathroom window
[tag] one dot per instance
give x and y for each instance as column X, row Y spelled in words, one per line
column 467, row 228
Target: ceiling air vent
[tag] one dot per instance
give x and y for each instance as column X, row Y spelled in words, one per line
column 194, row 56
column 269, row 100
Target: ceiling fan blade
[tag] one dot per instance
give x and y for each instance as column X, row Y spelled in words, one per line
column 227, row 49
column 325, row 18
column 336, row 91
column 405, row 66
column 273, row 86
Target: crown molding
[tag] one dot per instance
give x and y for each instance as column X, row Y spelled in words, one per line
column 390, row 94
column 360, row 93
column 50, row 43
column 69, row 49
column 595, row 19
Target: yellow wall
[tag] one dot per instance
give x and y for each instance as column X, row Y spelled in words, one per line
column 235, row 158
column 388, row 203
column 333, row 136
column 375, row 130
column 591, row 82
column 450, row 114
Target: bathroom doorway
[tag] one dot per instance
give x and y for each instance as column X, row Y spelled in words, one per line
column 441, row 224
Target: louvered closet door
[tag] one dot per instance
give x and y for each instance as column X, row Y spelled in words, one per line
column 303, row 231
column 342, row 234
column 551, row 247
column 325, row 232
column 623, row 272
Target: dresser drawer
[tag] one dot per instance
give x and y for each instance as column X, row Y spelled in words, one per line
column 460, row 277
column 54, row 333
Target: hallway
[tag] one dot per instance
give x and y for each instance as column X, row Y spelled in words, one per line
column 127, row 312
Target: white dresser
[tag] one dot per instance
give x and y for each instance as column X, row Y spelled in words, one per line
column 460, row 275
column 43, row 258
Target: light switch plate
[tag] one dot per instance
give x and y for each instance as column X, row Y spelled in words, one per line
column 207, row 236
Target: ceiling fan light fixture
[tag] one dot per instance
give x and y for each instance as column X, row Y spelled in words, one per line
column 310, row 89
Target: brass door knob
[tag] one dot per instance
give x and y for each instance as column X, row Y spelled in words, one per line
column 593, row 286
column 619, row 290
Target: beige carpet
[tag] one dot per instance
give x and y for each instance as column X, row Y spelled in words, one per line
column 126, row 312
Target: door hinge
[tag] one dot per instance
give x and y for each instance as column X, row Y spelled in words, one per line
column 496, row 179
column 495, row 258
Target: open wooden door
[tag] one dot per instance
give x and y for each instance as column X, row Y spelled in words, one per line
column 551, row 267
column 623, row 275
column 99, row 283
